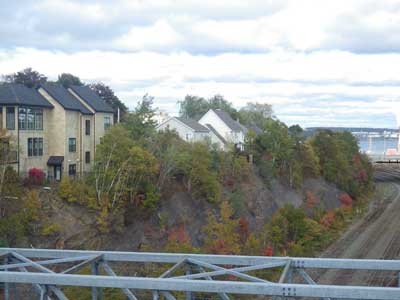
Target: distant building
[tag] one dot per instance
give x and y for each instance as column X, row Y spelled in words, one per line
column 216, row 126
column 187, row 129
column 160, row 117
column 230, row 130
column 54, row 129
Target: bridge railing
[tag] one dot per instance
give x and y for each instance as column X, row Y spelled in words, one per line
column 49, row 271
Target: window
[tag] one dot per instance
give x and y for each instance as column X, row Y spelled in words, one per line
column 30, row 118
column 22, row 118
column 107, row 122
column 10, row 118
column 72, row 144
column 87, row 157
column 87, row 127
column 35, row 146
column 72, row 170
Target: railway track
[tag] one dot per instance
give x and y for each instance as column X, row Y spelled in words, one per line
column 377, row 235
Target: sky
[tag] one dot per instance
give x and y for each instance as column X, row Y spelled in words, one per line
column 319, row 63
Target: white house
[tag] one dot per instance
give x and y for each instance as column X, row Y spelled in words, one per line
column 224, row 127
column 188, row 129
column 216, row 127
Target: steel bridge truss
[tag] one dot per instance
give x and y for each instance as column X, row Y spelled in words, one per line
column 191, row 274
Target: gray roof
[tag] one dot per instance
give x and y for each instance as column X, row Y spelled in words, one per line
column 255, row 128
column 213, row 130
column 65, row 98
column 227, row 119
column 92, row 99
column 18, row 94
column 196, row 126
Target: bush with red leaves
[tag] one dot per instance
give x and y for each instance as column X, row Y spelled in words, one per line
column 345, row 199
column 36, row 176
column 244, row 229
column 328, row 219
column 268, row 251
column 311, row 199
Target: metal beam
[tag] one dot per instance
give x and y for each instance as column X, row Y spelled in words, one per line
column 170, row 284
column 308, row 278
column 33, row 264
column 45, row 262
column 234, row 260
column 223, row 271
column 110, row 272
column 223, row 296
column 82, row 265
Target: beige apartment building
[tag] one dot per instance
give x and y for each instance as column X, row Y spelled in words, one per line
column 53, row 128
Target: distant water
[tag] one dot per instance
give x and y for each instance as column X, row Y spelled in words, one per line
column 377, row 145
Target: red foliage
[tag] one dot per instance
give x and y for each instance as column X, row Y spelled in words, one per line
column 328, row 219
column 244, row 230
column 268, row 251
column 345, row 199
column 229, row 182
column 36, row 176
column 357, row 159
column 220, row 247
column 311, row 199
column 179, row 234
column 362, row 175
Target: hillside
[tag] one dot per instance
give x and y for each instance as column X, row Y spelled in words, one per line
column 153, row 191
column 75, row 226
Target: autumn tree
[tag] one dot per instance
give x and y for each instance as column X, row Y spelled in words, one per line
column 124, row 172
column 27, row 77
column 222, row 233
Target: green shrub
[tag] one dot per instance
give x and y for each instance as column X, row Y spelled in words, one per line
column 50, row 229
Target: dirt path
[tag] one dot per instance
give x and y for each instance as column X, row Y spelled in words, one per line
column 376, row 236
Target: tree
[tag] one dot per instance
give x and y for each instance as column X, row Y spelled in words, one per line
column 219, row 102
column 7, row 155
column 195, row 164
column 67, row 80
column 108, row 95
column 222, row 235
column 276, row 146
column 27, row 77
column 124, row 172
column 140, row 123
column 255, row 114
column 193, row 107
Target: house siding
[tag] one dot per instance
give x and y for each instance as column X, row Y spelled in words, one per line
column 185, row 132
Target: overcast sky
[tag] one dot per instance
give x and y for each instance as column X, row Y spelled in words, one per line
column 319, row 63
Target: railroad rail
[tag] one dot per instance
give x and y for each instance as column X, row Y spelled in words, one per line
column 50, row 271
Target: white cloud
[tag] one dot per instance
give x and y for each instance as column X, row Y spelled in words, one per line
column 316, row 61
column 155, row 37
column 317, row 84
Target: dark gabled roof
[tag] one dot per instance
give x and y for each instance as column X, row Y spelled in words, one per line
column 213, row 130
column 18, row 94
column 65, row 98
column 227, row 119
column 92, row 99
column 196, row 126
column 255, row 128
